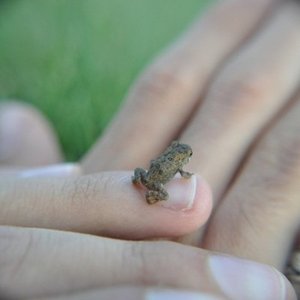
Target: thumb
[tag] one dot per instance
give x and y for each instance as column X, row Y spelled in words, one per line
column 106, row 203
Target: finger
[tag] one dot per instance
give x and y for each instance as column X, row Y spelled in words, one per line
column 102, row 204
column 260, row 216
column 26, row 137
column 37, row 262
column 136, row 293
column 167, row 93
column 247, row 93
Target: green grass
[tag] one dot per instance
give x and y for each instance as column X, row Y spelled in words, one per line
column 75, row 59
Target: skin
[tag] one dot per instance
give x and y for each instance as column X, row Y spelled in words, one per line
column 245, row 136
column 162, row 170
column 249, row 107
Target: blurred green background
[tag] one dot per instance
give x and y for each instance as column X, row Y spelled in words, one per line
column 75, row 59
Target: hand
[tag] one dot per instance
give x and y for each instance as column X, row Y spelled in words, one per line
column 48, row 264
column 195, row 72
column 226, row 88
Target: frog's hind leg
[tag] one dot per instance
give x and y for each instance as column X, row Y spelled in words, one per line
column 156, row 193
column 139, row 176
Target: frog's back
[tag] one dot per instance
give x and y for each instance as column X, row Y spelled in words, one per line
column 162, row 170
column 168, row 163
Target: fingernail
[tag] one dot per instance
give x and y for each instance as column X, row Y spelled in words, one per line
column 61, row 170
column 182, row 192
column 243, row 279
column 165, row 294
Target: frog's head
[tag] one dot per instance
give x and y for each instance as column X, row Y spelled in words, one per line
column 182, row 152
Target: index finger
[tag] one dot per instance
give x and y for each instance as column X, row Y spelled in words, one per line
column 106, row 204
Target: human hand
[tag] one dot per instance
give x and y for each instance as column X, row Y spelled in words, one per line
column 48, row 264
column 199, row 75
column 226, row 88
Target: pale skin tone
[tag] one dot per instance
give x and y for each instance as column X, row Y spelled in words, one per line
column 230, row 89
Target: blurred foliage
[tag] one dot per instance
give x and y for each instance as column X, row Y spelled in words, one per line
column 75, row 59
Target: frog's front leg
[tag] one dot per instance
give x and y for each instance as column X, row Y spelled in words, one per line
column 156, row 193
column 139, row 177
column 185, row 174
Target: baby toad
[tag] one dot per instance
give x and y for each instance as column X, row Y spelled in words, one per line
column 162, row 170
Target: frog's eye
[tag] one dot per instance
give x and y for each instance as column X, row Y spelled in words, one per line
column 191, row 153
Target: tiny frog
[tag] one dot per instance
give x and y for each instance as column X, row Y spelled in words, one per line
column 162, row 170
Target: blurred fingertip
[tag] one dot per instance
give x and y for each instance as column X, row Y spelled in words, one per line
column 26, row 136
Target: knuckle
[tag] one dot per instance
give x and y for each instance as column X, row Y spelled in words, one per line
column 248, row 89
column 249, row 214
column 244, row 94
column 279, row 163
column 168, row 257
column 162, row 85
column 81, row 190
column 273, row 186
column 279, row 152
column 144, row 265
column 15, row 247
column 288, row 158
